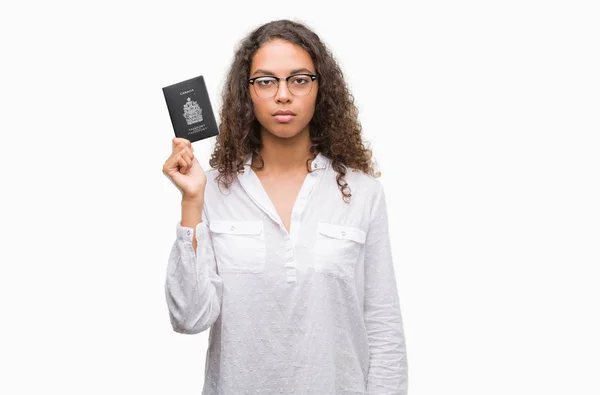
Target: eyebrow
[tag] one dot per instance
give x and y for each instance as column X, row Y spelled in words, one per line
column 267, row 72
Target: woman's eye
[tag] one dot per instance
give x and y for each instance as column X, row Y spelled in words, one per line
column 300, row 80
column 264, row 82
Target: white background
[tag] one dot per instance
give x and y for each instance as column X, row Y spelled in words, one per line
column 484, row 119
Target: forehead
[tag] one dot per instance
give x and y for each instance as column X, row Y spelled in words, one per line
column 281, row 57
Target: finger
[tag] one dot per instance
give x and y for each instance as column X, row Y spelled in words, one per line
column 179, row 146
column 170, row 164
column 187, row 152
column 183, row 148
column 188, row 161
column 180, row 141
column 183, row 166
column 186, row 157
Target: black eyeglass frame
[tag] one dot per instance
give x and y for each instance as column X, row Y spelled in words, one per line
column 313, row 77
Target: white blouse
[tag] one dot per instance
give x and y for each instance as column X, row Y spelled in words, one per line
column 312, row 311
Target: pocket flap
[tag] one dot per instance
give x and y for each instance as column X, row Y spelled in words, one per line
column 236, row 227
column 342, row 232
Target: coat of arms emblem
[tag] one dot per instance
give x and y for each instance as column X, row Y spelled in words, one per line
column 192, row 112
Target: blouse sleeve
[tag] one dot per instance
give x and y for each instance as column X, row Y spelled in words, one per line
column 388, row 368
column 193, row 288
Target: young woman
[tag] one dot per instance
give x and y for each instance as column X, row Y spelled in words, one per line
column 283, row 247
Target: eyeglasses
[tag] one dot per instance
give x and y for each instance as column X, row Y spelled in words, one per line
column 298, row 85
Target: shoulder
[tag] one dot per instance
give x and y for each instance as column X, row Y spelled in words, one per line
column 215, row 190
column 353, row 176
column 211, row 177
column 360, row 181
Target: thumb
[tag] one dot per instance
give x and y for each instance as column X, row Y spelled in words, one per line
column 175, row 179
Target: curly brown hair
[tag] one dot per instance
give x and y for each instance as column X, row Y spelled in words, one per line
column 334, row 129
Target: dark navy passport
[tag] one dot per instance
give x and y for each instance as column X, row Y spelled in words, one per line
column 190, row 110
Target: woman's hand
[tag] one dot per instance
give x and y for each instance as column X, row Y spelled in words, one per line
column 183, row 169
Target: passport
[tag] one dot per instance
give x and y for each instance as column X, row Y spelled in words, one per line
column 190, row 109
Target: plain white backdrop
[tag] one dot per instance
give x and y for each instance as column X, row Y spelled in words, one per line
column 484, row 119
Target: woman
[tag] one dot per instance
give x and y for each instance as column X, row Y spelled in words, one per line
column 283, row 248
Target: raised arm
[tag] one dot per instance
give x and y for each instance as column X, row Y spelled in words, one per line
column 193, row 288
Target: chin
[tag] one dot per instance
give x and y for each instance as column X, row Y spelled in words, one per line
column 285, row 131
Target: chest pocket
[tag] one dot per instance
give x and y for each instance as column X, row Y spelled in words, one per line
column 239, row 245
column 337, row 248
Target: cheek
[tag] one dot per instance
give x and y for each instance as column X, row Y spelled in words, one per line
column 260, row 109
column 309, row 109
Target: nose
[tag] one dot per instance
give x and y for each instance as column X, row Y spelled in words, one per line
column 283, row 94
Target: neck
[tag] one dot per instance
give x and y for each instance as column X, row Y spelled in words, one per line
column 284, row 155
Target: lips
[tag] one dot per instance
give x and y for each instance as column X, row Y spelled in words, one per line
column 284, row 116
